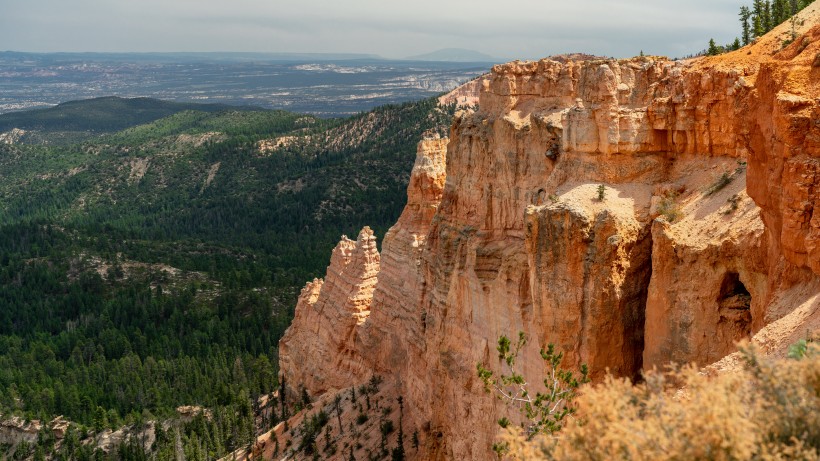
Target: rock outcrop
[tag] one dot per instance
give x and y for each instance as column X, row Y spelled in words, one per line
column 12, row 137
column 332, row 311
column 632, row 212
column 15, row 430
column 463, row 96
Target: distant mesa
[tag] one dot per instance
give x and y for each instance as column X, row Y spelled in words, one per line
column 455, row 55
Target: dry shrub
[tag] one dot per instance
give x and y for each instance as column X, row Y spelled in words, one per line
column 768, row 411
column 668, row 208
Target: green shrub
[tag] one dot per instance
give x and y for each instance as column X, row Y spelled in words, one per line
column 724, row 180
column 386, row 427
column 668, row 208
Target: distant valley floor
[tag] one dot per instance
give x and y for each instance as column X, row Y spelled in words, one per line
column 322, row 87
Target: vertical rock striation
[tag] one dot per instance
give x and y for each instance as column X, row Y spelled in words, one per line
column 329, row 314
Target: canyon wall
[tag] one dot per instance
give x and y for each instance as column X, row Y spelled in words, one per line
column 632, row 212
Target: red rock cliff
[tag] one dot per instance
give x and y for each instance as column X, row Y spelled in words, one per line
column 705, row 233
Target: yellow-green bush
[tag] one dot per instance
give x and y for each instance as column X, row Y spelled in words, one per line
column 770, row 410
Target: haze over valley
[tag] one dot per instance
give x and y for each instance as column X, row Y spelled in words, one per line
column 302, row 250
column 324, row 85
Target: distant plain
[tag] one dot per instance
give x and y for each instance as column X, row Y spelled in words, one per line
column 322, row 85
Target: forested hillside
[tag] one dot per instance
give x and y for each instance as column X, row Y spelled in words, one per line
column 158, row 266
column 76, row 121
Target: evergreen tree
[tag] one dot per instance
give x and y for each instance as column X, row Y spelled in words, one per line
column 713, row 49
column 745, row 14
column 337, row 406
column 779, row 11
column 758, row 24
column 398, row 452
column 282, row 399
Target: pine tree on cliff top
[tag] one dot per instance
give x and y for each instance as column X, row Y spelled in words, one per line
column 713, row 49
column 745, row 15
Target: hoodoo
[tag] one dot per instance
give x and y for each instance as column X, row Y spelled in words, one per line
column 633, row 212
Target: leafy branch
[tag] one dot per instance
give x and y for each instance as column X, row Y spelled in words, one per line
column 544, row 412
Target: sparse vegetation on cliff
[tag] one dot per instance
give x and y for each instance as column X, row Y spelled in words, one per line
column 722, row 181
column 755, row 22
column 726, row 178
column 601, row 191
column 768, row 411
column 668, row 207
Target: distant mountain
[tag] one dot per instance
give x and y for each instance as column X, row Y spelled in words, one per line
column 101, row 115
column 455, row 55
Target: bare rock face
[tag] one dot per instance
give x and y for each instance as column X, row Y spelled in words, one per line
column 589, row 264
column 709, row 285
column 632, row 212
column 15, row 430
column 329, row 314
column 465, row 95
column 401, row 277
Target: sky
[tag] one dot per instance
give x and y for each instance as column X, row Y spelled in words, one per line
column 525, row 29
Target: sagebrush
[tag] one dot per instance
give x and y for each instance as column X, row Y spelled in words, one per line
column 770, row 410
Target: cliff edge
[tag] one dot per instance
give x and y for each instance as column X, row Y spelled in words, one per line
column 632, row 212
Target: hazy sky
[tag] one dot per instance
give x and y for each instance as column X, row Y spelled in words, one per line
column 504, row 29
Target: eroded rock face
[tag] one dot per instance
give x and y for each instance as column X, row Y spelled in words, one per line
column 709, row 285
column 401, row 278
column 600, row 205
column 15, row 430
column 590, row 267
column 328, row 314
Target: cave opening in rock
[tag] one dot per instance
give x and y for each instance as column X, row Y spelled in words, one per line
column 661, row 139
column 735, row 318
column 637, row 294
column 732, row 288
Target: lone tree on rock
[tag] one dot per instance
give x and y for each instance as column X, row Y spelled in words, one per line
column 601, row 192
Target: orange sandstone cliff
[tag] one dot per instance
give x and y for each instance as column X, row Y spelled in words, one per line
column 707, row 232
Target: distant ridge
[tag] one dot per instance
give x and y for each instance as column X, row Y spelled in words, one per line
column 105, row 114
column 455, row 55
